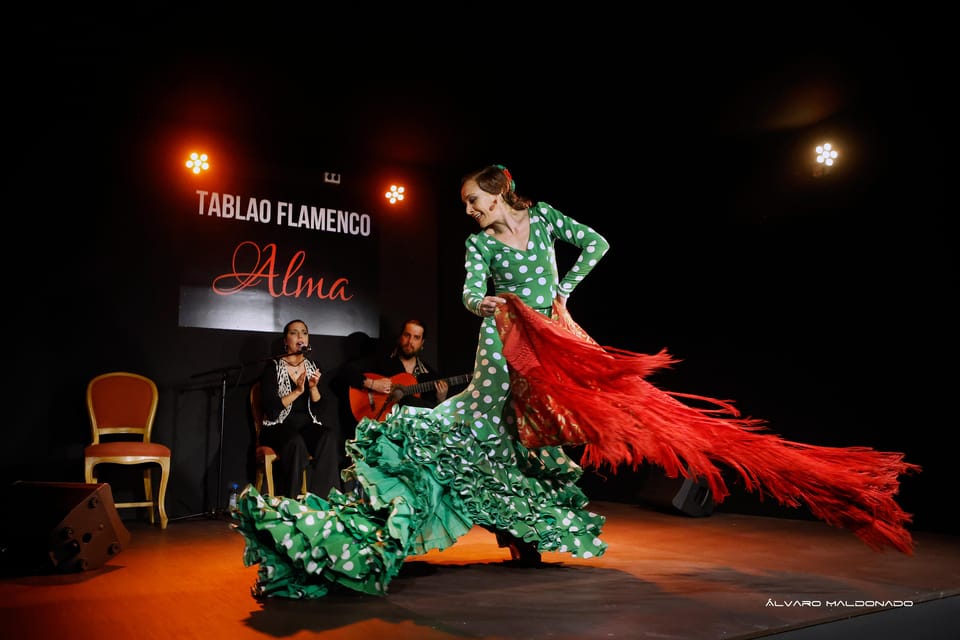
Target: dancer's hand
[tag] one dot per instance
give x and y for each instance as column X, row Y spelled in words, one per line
column 488, row 306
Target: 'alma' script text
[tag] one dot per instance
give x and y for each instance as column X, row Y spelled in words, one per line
column 253, row 266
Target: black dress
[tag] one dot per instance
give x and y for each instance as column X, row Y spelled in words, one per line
column 297, row 434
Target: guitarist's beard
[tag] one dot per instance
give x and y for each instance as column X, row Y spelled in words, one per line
column 406, row 353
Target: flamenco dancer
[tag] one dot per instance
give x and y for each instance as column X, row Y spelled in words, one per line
column 492, row 455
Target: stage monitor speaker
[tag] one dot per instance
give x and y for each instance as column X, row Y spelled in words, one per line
column 685, row 495
column 61, row 527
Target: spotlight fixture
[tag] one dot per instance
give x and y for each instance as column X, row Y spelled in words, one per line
column 395, row 194
column 198, row 162
column 826, row 158
column 826, row 154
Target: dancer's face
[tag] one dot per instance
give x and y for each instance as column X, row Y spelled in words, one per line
column 480, row 205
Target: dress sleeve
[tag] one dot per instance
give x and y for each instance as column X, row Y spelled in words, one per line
column 592, row 245
column 477, row 271
column 313, row 365
column 270, row 392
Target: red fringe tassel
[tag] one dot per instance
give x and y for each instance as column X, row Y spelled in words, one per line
column 567, row 389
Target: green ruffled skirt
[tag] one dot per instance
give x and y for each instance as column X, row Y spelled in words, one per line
column 422, row 478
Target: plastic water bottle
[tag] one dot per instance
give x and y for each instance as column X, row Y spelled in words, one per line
column 234, row 495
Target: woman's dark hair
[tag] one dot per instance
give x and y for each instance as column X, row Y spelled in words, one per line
column 287, row 326
column 493, row 179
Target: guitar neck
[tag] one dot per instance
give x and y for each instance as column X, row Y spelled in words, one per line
column 426, row 386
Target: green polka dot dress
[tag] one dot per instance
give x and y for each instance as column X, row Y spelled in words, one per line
column 425, row 477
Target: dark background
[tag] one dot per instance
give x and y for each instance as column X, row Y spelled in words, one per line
column 824, row 305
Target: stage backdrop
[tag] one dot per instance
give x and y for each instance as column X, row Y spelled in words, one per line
column 256, row 260
column 258, row 247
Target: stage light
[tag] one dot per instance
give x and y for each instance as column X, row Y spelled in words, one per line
column 395, row 194
column 198, row 162
column 826, row 154
column 826, row 158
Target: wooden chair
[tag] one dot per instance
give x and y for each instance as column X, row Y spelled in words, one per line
column 122, row 407
column 265, row 456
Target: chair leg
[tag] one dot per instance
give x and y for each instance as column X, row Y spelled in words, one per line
column 269, row 474
column 162, row 495
column 303, row 484
column 148, row 491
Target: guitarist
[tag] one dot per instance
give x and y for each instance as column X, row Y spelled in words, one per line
column 405, row 358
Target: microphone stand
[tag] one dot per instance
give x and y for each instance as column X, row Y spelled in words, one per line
column 224, row 375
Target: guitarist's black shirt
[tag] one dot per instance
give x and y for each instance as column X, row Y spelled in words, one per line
column 423, row 372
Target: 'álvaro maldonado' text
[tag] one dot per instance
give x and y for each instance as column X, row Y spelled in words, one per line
column 838, row 603
column 231, row 207
column 252, row 265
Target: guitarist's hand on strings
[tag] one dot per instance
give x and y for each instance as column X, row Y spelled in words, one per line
column 380, row 385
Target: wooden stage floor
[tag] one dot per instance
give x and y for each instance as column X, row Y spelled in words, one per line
column 664, row 575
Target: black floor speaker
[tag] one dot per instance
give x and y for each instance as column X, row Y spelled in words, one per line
column 64, row 527
column 691, row 497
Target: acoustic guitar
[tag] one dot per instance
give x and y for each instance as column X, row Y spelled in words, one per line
column 366, row 403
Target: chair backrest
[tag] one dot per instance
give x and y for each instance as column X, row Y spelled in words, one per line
column 121, row 402
column 256, row 410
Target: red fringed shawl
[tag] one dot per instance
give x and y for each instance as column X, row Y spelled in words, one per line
column 567, row 389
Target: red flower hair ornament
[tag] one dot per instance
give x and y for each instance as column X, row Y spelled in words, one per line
column 506, row 172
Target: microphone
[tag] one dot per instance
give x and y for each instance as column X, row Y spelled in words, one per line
column 305, row 348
